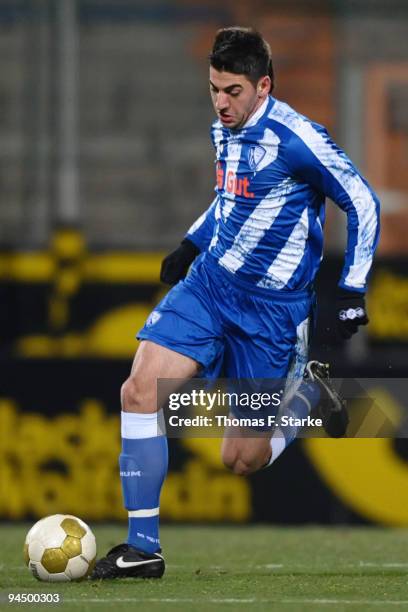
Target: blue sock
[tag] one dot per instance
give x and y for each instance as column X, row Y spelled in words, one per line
column 299, row 406
column 143, row 468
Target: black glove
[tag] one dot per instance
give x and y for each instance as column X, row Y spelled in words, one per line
column 351, row 312
column 175, row 266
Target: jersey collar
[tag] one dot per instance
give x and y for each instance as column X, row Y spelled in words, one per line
column 259, row 113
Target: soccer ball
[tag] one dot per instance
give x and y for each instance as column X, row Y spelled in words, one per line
column 60, row 548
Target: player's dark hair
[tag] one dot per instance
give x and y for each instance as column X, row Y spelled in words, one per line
column 242, row 51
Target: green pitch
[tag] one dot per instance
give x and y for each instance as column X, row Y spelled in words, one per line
column 237, row 568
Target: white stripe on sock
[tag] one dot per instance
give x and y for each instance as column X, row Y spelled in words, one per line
column 136, row 425
column 143, row 513
column 278, row 445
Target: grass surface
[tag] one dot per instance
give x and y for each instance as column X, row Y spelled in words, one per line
column 237, row 568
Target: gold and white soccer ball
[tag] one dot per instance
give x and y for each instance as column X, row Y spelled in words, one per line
column 60, row 548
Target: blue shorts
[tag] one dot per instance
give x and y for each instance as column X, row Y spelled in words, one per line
column 233, row 329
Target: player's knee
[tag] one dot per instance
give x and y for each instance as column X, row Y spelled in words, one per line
column 132, row 396
column 229, row 457
column 242, row 468
column 242, row 464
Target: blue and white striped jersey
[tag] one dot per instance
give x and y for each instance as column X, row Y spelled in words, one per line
column 265, row 224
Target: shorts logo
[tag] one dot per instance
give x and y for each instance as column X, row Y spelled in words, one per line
column 256, row 154
column 153, row 318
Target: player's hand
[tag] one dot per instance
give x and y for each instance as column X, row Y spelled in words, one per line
column 351, row 312
column 175, row 266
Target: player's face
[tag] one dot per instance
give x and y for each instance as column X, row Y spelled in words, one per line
column 235, row 98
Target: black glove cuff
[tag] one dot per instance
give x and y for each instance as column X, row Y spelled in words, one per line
column 190, row 248
column 345, row 294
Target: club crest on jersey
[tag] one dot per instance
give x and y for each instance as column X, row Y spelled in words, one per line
column 153, row 318
column 256, row 154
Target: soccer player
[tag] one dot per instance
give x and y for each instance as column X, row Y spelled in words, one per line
column 246, row 303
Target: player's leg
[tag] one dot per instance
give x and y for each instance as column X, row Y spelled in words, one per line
column 143, row 461
column 244, row 454
column 180, row 337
